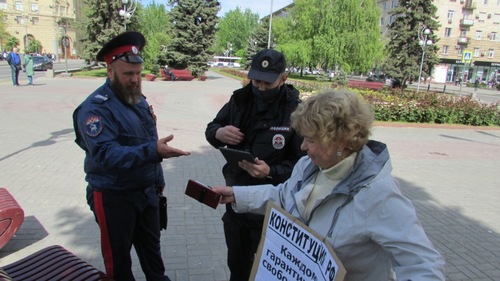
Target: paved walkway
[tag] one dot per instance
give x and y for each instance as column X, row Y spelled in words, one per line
column 450, row 174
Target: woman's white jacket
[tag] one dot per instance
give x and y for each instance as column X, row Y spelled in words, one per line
column 372, row 227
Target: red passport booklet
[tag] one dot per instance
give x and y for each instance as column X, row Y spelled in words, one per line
column 203, row 193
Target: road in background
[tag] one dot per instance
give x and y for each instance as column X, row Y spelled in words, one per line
column 5, row 74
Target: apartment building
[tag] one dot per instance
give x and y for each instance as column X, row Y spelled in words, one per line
column 45, row 21
column 466, row 26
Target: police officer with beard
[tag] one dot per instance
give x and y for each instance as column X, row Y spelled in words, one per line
column 256, row 119
column 116, row 128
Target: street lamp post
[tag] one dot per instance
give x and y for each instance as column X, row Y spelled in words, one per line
column 423, row 41
column 128, row 10
column 229, row 48
column 270, row 26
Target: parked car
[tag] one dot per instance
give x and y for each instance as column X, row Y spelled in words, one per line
column 42, row 63
column 376, row 78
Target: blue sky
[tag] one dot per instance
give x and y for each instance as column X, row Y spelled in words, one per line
column 261, row 7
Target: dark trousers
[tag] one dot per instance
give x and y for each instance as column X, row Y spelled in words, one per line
column 243, row 233
column 126, row 219
column 15, row 74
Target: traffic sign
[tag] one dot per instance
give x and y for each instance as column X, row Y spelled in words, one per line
column 467, row 57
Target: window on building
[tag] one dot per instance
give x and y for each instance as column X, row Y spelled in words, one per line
column 479, row 35
column 20, row 20
column 459, row 50
column 384, row 6
column 463, row 33
column 491, row 53
column 450, row 15
column 445, row 49
column 19, row 6
column 382, row 21
column 394, row 4
column 35, row 20
column 481, row 17
column 496, row 17
column 34, row 7
column 447, row 32
column 476, row 52
column 3, row 4
column 493, row 36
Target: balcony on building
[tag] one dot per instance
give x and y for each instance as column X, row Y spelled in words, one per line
column 466, row 22
column 463, row 40
column 469, row 5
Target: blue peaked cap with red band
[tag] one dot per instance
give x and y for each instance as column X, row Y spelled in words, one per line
column 125, row 46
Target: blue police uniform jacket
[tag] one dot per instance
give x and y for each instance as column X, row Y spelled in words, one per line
column 119, row 141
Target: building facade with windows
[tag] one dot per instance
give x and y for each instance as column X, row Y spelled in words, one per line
column 465, row 26
column 47, row 21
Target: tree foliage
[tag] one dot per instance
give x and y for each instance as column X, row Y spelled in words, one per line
column 156, row 27
column 256, row 42
column 403, row 47
column 103, row 22
column 34, row 46
column 235, row 28
column 11, row 43
column 193, row 33
column 3, row 32
column 341, row 34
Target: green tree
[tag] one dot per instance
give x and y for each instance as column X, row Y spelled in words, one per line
column 103, row 22
column 3, row 32
column 156, row 27
column 235, row 28
column 193, row 33
column 403, row 48
column 256, row 42
column 296, row 47
column 34, row 46
column 11, row 43
column 341, row 34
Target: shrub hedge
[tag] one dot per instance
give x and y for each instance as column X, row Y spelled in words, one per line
column 408, row 106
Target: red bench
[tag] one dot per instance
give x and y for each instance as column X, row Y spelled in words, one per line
column 11, row 216
column 180, row 74
column 365, row 84
column 51, row 263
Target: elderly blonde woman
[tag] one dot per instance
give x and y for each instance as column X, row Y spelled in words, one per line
column 343, row 189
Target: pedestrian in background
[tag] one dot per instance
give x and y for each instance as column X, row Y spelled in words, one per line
column 116, row 128
column 14, row 61
column 256, row 119
column 169, row 73
column 476, row 84
column 28, row 67
column 344, row 190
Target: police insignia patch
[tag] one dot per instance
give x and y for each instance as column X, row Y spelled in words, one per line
column 265, row 64
column 93, row 126
column 278, row 141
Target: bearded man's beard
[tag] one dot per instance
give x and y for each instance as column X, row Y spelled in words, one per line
column 131, row 95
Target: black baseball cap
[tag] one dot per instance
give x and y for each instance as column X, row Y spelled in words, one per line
column 267, row 65
column 125, row 46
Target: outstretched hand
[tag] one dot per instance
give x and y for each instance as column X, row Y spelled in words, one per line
column 226, row 192
column 166, row 151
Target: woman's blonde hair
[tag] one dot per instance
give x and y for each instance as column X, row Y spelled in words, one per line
column 335, row 116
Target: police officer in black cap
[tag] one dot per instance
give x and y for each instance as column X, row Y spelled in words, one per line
column 256, row 119
column 116, row 128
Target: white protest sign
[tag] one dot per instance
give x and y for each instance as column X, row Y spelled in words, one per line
column 289, row 250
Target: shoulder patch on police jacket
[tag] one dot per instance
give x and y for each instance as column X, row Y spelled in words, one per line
column 99, row 98
column 93, row 126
